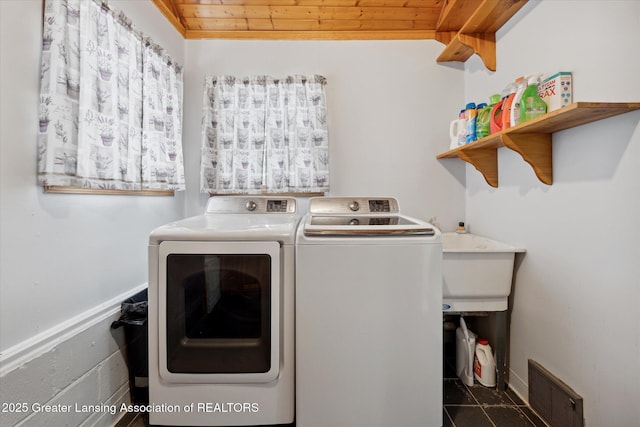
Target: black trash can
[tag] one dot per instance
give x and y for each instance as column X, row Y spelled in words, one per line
column 133, row 316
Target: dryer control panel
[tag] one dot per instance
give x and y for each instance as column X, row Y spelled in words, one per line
column 250, row 205
column 277, row 205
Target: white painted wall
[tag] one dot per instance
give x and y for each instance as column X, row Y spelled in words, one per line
column 577, row 291
column 389, row 107
column 63, row 256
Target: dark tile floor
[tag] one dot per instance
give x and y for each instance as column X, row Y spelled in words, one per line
column 133, row 420
column 479, row 406
column 464, row 406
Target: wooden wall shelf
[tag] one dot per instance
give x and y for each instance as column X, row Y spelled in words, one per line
column 469, row 26
column 533, row 139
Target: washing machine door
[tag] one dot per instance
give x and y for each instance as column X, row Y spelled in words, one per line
column 219, row 312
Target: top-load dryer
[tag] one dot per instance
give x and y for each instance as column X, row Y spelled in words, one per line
column 221, row 315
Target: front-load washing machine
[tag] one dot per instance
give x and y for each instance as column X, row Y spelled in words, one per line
column 221, row 315
column 368, row 316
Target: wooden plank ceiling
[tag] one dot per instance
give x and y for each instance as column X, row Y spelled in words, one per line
column 314, row 19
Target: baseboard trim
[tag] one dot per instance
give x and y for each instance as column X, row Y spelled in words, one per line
column 45, row 341
column 519, row 386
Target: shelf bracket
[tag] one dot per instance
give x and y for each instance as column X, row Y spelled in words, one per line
column 460, row 47
column 535, row 149
column 484, row 45
column 475, row 22
column 445, row 37
column 485, row 160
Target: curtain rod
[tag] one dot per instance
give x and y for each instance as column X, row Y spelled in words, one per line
column 262, row 79
column 123, row 20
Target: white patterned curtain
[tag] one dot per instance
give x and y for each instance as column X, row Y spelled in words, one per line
column 162, row 165
column 261, row 134
column 91, row 102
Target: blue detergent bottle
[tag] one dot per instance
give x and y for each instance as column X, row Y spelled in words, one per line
column 470, row 115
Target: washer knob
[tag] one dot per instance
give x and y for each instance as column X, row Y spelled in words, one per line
column 354, row 206
column 251, row 205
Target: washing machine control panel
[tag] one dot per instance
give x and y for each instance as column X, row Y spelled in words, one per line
column 250, row 205
column 379, row 205
column 347, row 205
column 277, row 205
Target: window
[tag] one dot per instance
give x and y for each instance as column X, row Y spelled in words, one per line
column 110, row 103
column 264, row 135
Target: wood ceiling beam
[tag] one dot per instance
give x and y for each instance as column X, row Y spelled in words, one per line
column 380, row 3
column 309, row 12
column 455, row 13
column 313, row 35
column 170, row 11
column 304, row 24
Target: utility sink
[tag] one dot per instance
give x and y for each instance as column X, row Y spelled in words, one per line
column 477, row 273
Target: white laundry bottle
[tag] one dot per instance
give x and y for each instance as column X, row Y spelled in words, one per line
column 465, row 347
column 458, row 131
column 484, row 367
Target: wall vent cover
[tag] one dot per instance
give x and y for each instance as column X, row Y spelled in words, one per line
column 557, row 403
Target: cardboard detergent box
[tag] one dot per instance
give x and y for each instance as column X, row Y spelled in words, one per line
column 557, row 90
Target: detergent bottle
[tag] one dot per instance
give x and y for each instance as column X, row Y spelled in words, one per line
column 465, row 351
column 531, row 105
column 506, row 106
column 471, row 115
column 514, row 115
column 484, row 364
column 495, row 119
column 483, row 124
column 458, row 131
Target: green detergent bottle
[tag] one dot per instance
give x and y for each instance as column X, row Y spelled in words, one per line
column 531, row 105
column 483, row 122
